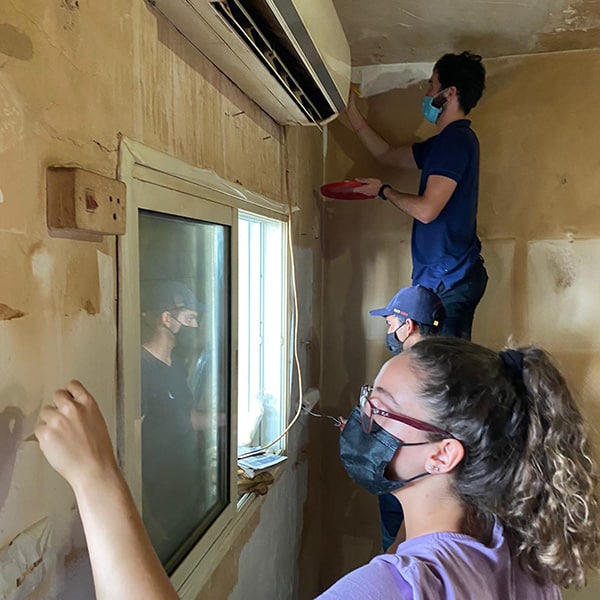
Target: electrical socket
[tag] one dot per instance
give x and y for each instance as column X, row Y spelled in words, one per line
column 310, row 398
column 80, row 201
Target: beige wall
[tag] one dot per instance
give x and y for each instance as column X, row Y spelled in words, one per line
column 73, row 76
column 539, row 221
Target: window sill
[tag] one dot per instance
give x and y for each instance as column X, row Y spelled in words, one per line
column 238, row 527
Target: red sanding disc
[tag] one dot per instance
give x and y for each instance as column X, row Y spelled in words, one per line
column 344, row 190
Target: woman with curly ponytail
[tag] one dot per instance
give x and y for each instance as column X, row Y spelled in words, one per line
column 490, row 458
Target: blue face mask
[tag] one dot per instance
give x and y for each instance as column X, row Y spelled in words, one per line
column 365, row 456
column 431, row 112
column 394, row 345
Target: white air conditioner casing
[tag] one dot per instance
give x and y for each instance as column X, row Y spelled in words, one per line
column 290, row 56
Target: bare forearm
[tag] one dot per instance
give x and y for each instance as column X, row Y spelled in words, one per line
column 123, row 560
column 411, row 204
column 370, row 139
column 427, row 207
column 401, row 157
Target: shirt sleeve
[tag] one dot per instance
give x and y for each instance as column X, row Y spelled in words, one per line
column 375, row 581
column 452, row 157
column 420, row 149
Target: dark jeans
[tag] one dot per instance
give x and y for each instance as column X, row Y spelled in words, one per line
column 392, row 516
column 461, row 300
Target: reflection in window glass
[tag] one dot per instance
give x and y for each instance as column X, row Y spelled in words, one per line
column 262, row 332
column 184, row 297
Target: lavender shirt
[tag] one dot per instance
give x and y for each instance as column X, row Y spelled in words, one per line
column 443, row 566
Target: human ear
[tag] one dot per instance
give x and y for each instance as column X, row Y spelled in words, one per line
column 447, row 456
column 451, row 92
column 410, row 327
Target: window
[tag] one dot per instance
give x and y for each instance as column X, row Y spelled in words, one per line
column 184, row 325
column 203, row 344
column 262, row 329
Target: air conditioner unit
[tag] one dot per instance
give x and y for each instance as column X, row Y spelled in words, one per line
column 290, row 56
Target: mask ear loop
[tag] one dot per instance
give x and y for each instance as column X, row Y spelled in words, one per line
column 442, row 102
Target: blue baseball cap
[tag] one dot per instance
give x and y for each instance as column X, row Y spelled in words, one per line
column 167, row 295
column 418, row 303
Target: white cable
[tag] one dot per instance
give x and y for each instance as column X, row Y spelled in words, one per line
column 296, row 359
column 295, row 301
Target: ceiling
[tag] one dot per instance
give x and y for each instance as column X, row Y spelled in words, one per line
column 408, row 31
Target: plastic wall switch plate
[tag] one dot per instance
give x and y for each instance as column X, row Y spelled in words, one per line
column 80, row 201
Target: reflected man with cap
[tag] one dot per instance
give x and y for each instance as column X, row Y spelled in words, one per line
column 412, row 314
column 172, row 479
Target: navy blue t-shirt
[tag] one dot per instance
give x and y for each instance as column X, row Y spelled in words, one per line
column 445, row 249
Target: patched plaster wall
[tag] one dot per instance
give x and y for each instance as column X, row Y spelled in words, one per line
column 74, row 75
column 387, row 31
column 539, row 221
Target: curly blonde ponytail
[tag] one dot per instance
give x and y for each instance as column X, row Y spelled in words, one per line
column 528, row 459
column 553, row 512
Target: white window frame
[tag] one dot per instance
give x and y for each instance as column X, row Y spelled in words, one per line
column 195, row 193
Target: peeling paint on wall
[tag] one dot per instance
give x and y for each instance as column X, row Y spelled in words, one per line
column 563, row 293
column 563, row 266
column 377, row 79
column 8, row 313
column 11, row 113
column 42, row 269
column 32, row 565
column 387, row 31
column 21, row 562
column 15, row 43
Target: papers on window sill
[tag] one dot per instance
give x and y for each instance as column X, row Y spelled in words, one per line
column 252, row 465
column 244, row 451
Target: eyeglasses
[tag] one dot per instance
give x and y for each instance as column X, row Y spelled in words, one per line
column 368, row 412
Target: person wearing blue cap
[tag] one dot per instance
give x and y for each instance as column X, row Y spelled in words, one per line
column 412, row 314
column 172, row 480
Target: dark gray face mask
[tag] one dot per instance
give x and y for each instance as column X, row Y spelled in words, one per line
column 365, row 456
column 186, row 339
column 394, row 345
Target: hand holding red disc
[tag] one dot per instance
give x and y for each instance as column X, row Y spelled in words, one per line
column 344, row 190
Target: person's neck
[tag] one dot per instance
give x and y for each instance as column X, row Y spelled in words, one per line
column 412, row 339
column 448, row 116
column 161, row 347
column 431, row 509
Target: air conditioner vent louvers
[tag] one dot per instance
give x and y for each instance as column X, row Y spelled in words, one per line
column 290, row 56
column 262, row 34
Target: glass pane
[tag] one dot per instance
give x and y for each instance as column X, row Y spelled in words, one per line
column 184, row 295
column 261, row 330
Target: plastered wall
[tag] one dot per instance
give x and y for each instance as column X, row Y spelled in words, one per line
column 74, row 75
column 539, row 221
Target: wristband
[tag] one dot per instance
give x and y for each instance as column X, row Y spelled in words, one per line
column 381, row 192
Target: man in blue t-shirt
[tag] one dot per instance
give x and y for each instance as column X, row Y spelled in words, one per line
column 445, row 247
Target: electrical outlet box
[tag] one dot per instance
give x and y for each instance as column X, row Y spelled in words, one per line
column 310, row 397
column 80, row 201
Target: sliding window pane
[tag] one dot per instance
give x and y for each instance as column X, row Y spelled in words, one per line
column 185, row 313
